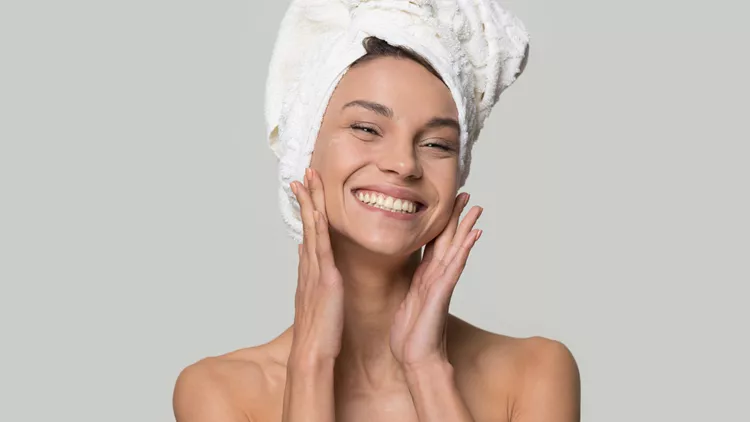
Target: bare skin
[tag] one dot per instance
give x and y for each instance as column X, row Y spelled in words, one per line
column 372, row 339
column 495, row 374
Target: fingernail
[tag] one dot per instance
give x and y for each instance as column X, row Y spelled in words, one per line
column 293, row 186
column 479, row 234
column 308, row 173
column 466, row 198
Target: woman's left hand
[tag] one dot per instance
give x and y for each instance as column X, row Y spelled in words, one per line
column 418, row 333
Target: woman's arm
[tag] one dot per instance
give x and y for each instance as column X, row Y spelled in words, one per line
column 318, row 314
column 308, row 395
column 435, row 395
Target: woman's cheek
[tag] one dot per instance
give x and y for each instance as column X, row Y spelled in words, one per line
column 338, row 151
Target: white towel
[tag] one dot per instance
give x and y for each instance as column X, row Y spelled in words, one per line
column 476, row 46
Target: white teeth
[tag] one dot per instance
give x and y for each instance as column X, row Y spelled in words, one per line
column 387, row 202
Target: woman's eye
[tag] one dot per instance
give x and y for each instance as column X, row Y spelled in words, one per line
column 438, row 146
column 365, row 129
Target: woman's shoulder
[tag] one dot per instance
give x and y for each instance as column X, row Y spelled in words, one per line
column 481, row 347
column 524, row 371
column 232, row 386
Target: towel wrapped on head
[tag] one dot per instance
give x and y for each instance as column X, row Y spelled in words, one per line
column 477, row 47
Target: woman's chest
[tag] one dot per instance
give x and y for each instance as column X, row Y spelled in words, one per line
column 401, row 407
column 380, row 408
column 484, row 403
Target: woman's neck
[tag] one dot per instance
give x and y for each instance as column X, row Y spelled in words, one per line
column 374, row 288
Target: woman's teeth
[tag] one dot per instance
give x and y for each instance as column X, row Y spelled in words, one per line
column 387, row 203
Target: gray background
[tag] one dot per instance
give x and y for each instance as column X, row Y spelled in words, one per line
column 139, row 230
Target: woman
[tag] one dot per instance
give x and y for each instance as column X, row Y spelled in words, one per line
column 372, row 338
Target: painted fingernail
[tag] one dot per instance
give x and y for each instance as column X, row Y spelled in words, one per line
column 466, row 198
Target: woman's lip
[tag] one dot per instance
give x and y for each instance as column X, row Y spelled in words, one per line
column 392, row 214
column 393, row 191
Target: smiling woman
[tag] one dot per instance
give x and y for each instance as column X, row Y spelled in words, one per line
column 382, row 243
column 383, row 134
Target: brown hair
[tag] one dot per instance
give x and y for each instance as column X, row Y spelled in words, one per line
column 375, row 47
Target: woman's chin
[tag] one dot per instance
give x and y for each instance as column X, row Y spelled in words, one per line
column 386, row 244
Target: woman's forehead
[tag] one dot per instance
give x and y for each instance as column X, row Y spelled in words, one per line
column 403, row 85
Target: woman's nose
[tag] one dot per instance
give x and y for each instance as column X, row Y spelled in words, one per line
column 401, row 158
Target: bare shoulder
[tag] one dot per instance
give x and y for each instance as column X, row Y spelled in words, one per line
column 237, row 386
column 536, row 378
column 527, row 357
column 550, row 385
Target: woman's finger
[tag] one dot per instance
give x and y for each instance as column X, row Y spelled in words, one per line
column 435, row 255
column 456, row 267
column 315, row 184
column 429, row 252
column 323, row 246
column 302, row 276
column 424, row 265
column 308, row 221
column 445, row 238
column 464, row 229
column 303, row 261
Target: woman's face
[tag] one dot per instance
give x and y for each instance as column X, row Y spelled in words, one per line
column 387, row 153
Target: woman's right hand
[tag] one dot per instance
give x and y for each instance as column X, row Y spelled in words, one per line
column 319, row 301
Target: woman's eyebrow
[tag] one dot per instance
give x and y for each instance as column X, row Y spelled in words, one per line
column 386, row 111
column 376, row 107
column 437, row 122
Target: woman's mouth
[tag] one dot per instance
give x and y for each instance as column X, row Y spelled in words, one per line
column 386, row 202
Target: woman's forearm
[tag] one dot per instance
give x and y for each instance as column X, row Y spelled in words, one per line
column 308, row 395
column 435, row 395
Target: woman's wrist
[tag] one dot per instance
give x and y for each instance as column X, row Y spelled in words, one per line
column 310, row 364
column 308, row 394
column 424, row 372
column 434, row 392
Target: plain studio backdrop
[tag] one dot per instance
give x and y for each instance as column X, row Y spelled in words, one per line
column 140, row 232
